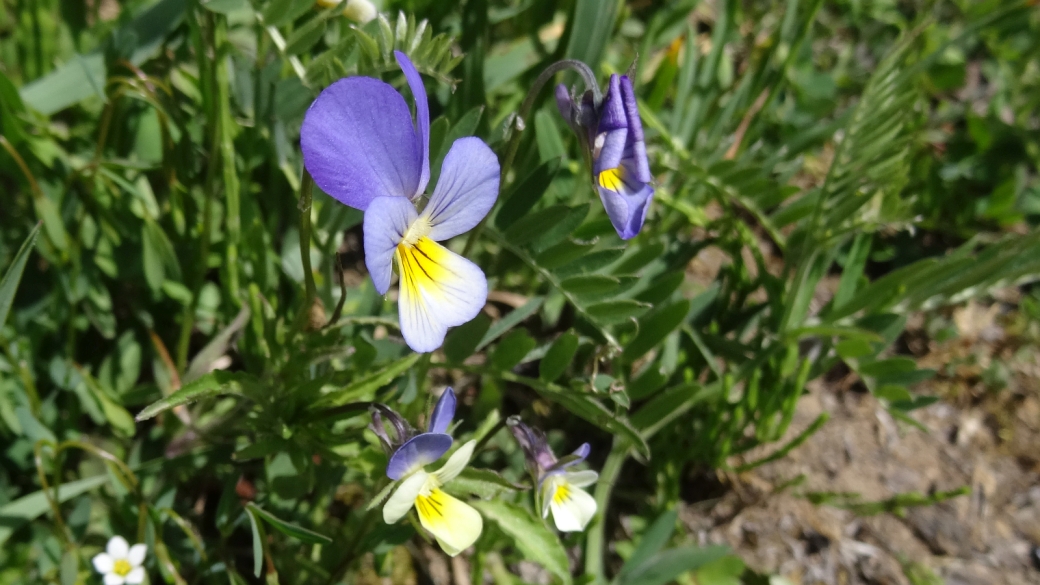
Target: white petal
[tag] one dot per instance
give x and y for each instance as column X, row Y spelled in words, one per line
column 572, row 508
column 581, row 478
column 404, row 497
column 103, row 563
column 439, row 289
column 113, row 579
column 117, row 548
column 455, row 524
column 456, row 463
column 137, row 554
column 136, row 576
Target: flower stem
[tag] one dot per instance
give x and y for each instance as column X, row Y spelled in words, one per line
column 595, row 539
column 520, row 125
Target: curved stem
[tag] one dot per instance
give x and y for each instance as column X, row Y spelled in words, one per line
column 525, row 109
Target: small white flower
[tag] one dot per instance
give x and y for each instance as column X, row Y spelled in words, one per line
column 572, row 507
column 121, row 563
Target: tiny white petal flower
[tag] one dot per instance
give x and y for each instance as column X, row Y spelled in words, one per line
column 572, row 508
column 120, row 563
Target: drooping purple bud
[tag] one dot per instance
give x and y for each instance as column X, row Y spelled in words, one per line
column 611, row 134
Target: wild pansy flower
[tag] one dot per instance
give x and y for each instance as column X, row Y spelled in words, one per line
column 121, row 563
column 454, row 524
column 559, row 490
column 361, row 147
column 612, row 133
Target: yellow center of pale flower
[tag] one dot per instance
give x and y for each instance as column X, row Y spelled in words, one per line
column 419, row 229
column 122, row 567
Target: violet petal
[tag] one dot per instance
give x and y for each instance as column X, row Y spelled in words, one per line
column 466, row 190
column 420, row 450
column 443, row 412
column 422, row 114
column 385, row 223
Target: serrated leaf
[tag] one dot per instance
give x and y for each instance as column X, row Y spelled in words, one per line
column 535, row 542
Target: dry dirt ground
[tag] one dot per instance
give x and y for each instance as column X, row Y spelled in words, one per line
column 983, row 434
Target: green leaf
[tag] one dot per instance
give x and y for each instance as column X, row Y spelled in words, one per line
column 212, row 384
column 591, row 262
column 654, row 539
column 891, row 366
column 594, row 287
column 306, row 36
column 365, row 388
column 559, row 356
column 27, row 508
column 280, row 12
column 531, row 227
column 462, row 341
column 850, row 349
column 84, row 75
column 535, row 542
column 654, row 328
column 511, row 320
column 288, row 528
column 618, row 311
column 513, row 347
column 893, row 393
column 589, row 29
column 32, row 428
column 226, row 6
column 258, row 547
column 13, row 276
column 667, row 565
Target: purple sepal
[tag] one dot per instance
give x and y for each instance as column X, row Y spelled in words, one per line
column 443, row 412
column 564, row 103
column 420, row 450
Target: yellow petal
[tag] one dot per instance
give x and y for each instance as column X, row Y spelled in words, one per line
column 439, row 289
column 454, row 524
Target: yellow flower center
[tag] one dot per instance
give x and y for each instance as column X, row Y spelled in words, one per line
column 422, row 264
column 562, row 493
column 419, row 229
column 122, row 567
column 612, row 179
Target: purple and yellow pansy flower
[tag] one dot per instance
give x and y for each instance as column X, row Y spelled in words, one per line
column 613, row 133
column 455, row 524
column 361, row 147
column 559, row 489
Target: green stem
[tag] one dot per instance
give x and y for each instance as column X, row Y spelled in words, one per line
column 520, row 125
column 595, row 539
column 310, row 290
